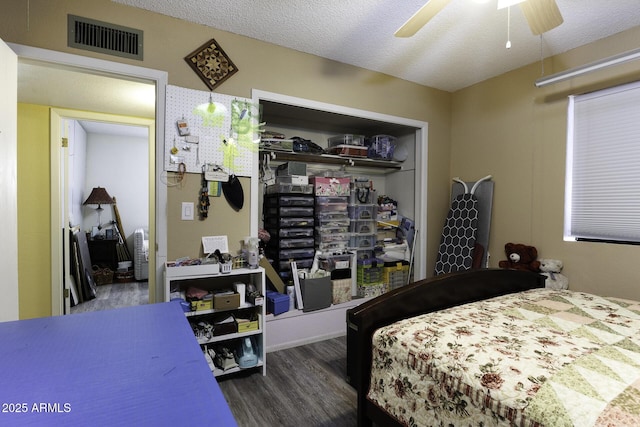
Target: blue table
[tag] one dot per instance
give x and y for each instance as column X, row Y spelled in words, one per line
column 129, row 366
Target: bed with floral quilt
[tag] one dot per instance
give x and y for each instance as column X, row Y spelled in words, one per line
column 521, row 357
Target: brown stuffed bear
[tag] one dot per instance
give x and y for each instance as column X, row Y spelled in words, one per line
column 520, row 257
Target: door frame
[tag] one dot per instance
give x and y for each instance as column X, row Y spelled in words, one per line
column 59, row 183
column 157, row 222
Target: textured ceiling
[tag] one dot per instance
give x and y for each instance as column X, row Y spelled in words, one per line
column 464, row 44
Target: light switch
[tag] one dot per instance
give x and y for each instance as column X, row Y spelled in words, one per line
column 187, row 211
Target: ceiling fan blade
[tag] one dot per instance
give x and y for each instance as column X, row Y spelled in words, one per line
column 542, row 15
column 421, row 17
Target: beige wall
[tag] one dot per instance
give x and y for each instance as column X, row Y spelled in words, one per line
column 516, row 132
column 43, row 23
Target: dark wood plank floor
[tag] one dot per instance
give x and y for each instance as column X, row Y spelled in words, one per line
column 304, row 386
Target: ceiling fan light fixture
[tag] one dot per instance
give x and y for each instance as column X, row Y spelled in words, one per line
column 507, row 3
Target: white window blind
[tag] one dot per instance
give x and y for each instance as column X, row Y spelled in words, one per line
column 602, row 195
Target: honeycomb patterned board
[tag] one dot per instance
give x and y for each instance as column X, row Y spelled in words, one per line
column 458, row 235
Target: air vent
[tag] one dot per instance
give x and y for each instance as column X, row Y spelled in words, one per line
column 97, row 36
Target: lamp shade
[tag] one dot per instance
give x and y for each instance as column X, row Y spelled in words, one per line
column 99, row 196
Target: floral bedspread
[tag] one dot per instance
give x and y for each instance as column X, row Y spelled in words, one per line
column 536, row 358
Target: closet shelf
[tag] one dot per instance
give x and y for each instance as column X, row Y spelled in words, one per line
column 332, row 160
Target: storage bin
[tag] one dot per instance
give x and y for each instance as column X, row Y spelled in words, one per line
column 287, row 254
column 285, row 265
column 330, row 186
column 381, row 147
column 335, row 262
column 296, row 211
column 341, row 291
column 292, row 168
column 289, row 188
column 365, row 291
column 396, row 273
column 362, row 211
column 336, row 218
column 272, row 200
column 290, row 233
column 362, row 226
column 277, row 303
column 370, row 271
column 332, row 229
column 349, row 151
column 316, row 293
column 305, row 242
column 334, row 246
column 331, row 204
column 275, row 222
column 347, row 139
column 362, row 241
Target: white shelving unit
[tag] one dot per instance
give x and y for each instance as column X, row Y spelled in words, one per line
column 207, row 277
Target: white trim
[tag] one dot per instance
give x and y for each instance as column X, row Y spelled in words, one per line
column 126, row 71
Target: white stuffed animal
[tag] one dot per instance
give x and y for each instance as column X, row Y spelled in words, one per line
column 552, row 268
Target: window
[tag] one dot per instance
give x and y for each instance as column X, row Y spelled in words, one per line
column 602, row 195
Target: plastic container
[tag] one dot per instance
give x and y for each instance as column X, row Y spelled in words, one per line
column 293, row 243
column 291, row 233
column 362, row 241
column 381, row 147
column 288, row 200
column 295, row 254
column 332, row 204
column 349, row 151
column 395, row 274
column 363, row 226
column 362, row 211
column 297, row 211
column 274, row 222
column 330, row 186
column 370, row 271
column 335, row 262
column 346, row 139
column 300, row 263
column 289, row 188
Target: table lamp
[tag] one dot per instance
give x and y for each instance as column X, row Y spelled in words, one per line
column 99, row 196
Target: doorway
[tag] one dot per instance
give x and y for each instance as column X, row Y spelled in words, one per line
column 157, row 193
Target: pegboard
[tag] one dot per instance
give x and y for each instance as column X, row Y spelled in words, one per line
column 216, row 129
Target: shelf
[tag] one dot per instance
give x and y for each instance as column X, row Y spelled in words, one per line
column 227, row 337
column 333, row 160
column 213, row 310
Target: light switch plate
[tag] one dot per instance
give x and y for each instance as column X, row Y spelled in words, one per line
column 187, row 211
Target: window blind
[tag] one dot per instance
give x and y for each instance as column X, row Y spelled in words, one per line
column 602, row 195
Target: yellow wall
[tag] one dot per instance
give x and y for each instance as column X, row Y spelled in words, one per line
column 516, row 132
column 262, row 66
column 34, row 212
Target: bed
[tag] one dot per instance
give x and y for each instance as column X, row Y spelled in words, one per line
column 494, row 347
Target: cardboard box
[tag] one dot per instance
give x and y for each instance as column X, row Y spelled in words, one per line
column 226, row 301
column 245, row 325
column 203, row 304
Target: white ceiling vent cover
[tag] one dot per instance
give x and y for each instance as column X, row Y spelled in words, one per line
column 103, row 37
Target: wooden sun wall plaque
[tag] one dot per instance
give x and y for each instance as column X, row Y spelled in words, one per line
column 211, row 64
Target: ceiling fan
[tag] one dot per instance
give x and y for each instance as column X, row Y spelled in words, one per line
column 542, row 15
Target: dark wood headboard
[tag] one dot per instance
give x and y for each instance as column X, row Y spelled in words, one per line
column 425, row 296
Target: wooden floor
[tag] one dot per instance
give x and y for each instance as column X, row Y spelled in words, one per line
column 115, row 295
column 304, row 386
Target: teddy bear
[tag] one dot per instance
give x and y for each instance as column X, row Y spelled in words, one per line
column 520, row 257
column 552, row 268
